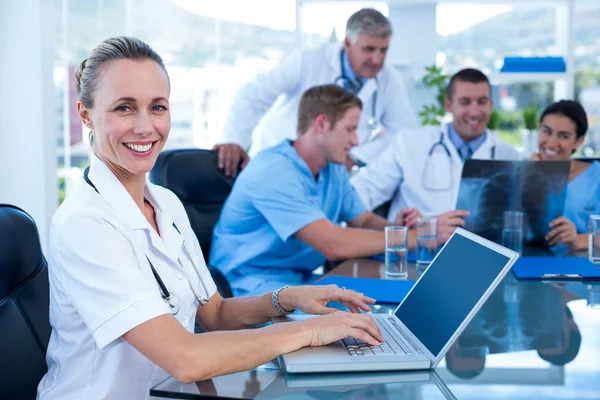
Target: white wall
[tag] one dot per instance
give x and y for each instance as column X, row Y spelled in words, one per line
column 27, row 117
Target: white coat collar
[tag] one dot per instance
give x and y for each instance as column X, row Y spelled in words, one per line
column 334, row 61
column 450, row 146
column 113, row 191
column 333, row 56
column 488, row 143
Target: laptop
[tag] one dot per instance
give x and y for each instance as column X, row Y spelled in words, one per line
column 430, row 318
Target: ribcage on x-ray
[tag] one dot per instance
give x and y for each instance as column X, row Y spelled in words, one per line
column 488, row 188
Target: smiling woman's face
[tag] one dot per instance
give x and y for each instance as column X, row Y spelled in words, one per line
column 130, row 117
column 557, row 138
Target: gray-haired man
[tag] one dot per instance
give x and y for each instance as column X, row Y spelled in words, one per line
column 357, row 64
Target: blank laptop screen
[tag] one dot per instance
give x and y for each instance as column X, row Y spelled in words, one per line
column 449, row 290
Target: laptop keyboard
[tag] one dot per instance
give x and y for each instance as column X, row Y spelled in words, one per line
column 393, row 343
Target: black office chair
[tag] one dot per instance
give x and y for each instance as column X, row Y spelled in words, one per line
column 24, row 305
column 193, row 175
column 383, row 209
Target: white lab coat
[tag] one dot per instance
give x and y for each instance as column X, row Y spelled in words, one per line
column 101, row 286
column 255, row 104
column 406, row 172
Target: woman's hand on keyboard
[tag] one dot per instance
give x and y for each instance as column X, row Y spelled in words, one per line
column 314, row 299
column 332, row 327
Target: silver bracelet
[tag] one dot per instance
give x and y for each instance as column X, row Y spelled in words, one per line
column 275, row 301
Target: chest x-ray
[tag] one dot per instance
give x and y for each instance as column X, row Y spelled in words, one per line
column 490, row 187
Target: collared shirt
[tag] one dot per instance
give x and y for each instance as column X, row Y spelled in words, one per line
column 458, row 141
column 275, row 196
column 101, row 287
column 349, row 72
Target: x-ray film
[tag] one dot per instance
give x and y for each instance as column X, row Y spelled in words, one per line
column 490, row 187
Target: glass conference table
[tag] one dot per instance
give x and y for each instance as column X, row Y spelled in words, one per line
column 531, row 340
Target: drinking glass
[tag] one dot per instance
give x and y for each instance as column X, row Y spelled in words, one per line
column 426, row 240
column 512, row 234
column 396, row 248
column 594, row 239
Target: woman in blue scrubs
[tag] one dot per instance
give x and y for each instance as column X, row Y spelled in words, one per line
column 562, row 130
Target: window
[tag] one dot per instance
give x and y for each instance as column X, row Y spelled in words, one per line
column 210, row 50
column 482, row 35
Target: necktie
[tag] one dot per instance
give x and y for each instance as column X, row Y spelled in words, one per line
column 465, row 152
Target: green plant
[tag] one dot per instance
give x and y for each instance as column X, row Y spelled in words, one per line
column 510, row 120
column 61, row 189
column 494, row 122
column 530, row 118
column 511, row 137
column 432, row 114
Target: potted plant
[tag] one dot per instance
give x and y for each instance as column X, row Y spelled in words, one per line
column 494, row 122
column 530, row 136
column 432, row 114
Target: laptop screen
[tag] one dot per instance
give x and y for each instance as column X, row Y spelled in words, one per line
column 449, row 290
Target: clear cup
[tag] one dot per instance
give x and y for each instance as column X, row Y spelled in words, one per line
column 512, row 233
column 594, row 239
column 426, row 240
column 593, row 296
column 396, row 248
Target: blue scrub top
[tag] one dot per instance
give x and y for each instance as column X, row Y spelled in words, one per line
column 583, row 199
column 273, row 197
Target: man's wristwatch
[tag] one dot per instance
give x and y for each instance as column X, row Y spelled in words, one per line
column 275, row 301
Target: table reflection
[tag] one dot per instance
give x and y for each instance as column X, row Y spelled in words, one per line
column 262, row 384
column 518, row 317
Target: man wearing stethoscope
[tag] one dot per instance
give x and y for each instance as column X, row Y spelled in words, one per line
column 270, row 101
column 422, row 168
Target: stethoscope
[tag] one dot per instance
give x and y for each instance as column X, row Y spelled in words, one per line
column 442, row 145
column 168, row 297
column 355, row 86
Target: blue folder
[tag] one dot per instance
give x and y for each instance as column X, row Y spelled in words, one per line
column 382, row 290
column 534, row 64
column 561, row 268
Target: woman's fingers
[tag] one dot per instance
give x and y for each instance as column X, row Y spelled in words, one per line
column 352, row 308
column 338, row 325
column 558, row 221
column 371, row 327
column 348, row 294
column 364, row 336
column 559, row 237
column 558, row 230
column 358, row 300
column 366, row 323
column 564, row 237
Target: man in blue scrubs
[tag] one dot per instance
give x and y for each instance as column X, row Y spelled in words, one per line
column 281, row 220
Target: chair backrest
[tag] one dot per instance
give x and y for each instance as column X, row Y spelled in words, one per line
column 193, row 175
column 24, row 305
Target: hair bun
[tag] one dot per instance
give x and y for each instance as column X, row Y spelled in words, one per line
column 78, row 75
